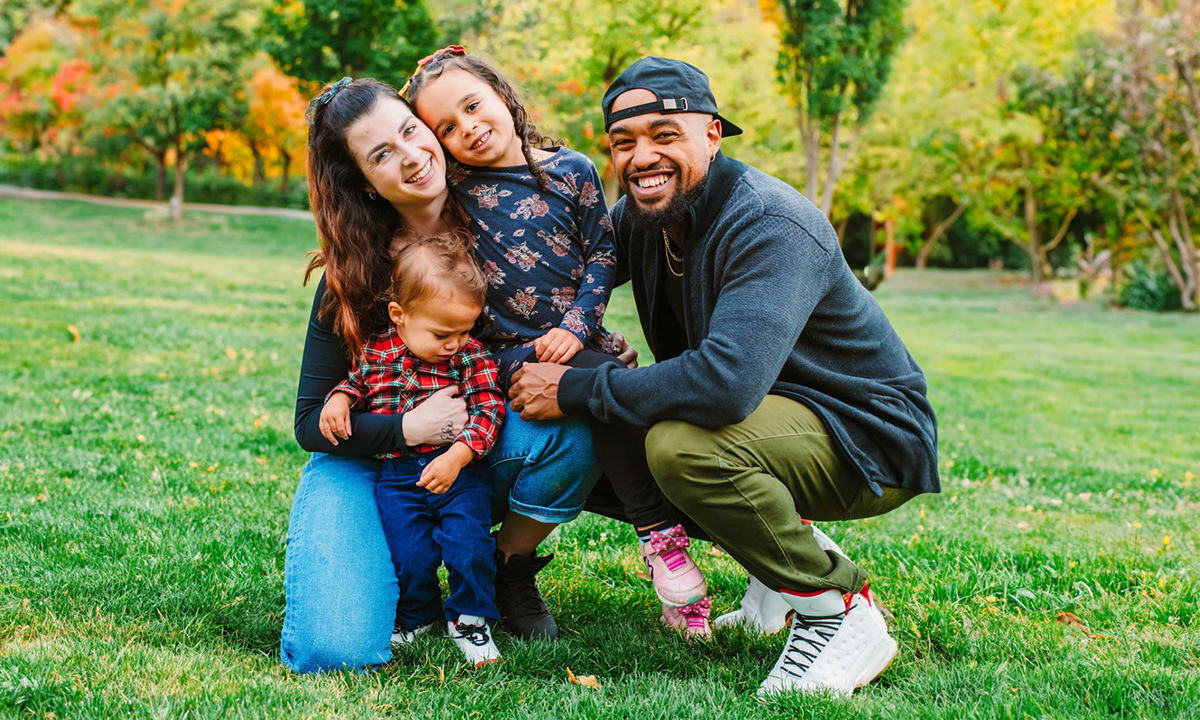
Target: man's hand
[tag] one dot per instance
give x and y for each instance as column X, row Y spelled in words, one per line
column 442, row 471
column 534, row 391
column 556, row 346
column 626, row 353
column 335, row 417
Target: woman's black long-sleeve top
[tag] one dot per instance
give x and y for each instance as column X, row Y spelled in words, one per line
column 326, row 363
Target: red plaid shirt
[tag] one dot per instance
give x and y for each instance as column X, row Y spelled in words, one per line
column 391, row 380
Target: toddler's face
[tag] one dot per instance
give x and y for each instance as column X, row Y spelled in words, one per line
column 470, row 120
column 438, row 329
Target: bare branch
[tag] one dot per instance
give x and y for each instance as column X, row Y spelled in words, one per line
column 1062, row 231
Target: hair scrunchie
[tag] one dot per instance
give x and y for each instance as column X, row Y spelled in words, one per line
column 324, row 98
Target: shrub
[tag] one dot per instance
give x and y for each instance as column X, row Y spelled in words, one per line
column 1148, row 288
column 92, row 176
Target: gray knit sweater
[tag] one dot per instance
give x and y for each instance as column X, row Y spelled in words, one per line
column 770, row 307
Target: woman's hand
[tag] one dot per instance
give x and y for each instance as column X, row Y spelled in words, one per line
column 438, row 420
column 626, row 353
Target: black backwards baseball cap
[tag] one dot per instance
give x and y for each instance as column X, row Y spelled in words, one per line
column 679, row 87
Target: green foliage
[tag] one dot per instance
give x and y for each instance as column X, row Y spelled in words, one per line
column 1148, row 288
column 834, row 61
column 321, row 41
column 836, row 56
column 16, row 14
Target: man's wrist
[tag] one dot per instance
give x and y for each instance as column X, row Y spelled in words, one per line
column 575, row 389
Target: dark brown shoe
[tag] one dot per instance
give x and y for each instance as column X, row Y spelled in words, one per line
column 522, row 609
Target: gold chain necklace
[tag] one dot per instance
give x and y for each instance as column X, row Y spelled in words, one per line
column 671, row 256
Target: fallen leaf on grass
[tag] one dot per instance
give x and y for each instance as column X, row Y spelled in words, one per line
column 1069, row 619
column 716, row 551
column 231, row 353
column 74, row 333
column 587, row 681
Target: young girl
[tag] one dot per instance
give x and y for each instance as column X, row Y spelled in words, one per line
column 545, row 243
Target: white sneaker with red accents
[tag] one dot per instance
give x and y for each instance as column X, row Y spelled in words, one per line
column 764, row 610
column 837, row 643
column 473, row 636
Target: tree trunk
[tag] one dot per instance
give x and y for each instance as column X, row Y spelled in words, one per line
column 260, row 169
column 1034, row 247
column 160, row 176
column 938, row 231
column 287, row 166
column 176, row 204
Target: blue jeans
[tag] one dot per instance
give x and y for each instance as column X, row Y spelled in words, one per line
column 424, row 530
column 338, row 573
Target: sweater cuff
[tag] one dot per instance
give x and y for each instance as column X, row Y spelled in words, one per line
column 574, row 390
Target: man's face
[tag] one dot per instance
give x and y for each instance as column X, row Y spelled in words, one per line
column 660, row 158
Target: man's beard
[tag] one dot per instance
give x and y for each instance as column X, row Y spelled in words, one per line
column 673, row 215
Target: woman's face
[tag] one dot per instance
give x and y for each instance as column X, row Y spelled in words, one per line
column 398, row 155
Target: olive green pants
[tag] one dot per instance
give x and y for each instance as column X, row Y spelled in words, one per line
column 748, row 485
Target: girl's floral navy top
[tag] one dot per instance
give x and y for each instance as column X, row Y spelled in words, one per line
column 549, row 256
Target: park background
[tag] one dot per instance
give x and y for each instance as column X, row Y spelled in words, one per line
column 1036, row 161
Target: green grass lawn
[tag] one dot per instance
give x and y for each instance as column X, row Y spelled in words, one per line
column 146, row 471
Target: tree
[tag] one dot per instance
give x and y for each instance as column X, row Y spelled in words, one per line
column 948, row 124
column 1135, row 115
column 274, row 120
column 834, row 61
column 42, row 82
column 169, row 68
column 323, row 40
column 563, row 80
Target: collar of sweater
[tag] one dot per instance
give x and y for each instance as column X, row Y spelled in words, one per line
column 722, row 175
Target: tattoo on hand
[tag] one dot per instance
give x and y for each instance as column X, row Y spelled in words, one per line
column 448, row 431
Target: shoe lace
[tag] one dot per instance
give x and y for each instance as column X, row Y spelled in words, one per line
column 477, row 635
column 809, row 636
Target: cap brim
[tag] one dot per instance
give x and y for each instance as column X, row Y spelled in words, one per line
column 728, row 129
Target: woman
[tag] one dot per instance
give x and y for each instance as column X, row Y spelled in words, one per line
column 376, row 178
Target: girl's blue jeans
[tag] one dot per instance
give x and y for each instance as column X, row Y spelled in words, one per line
column 338, row 573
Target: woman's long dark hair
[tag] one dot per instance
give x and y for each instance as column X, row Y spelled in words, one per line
column 354, row 229
column 525, row 129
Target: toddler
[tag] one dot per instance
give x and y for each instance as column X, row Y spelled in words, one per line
column 545, row 242
column 435, row 503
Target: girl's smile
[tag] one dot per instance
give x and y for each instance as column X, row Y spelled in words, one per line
column 471, row 120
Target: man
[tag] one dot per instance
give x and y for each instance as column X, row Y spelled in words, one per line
column 781, row 393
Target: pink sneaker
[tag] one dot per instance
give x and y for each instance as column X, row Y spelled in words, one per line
column 691, row 619
column 677, row 580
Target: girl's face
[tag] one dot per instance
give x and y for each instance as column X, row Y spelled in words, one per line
column 471, row 120
column 398, row 154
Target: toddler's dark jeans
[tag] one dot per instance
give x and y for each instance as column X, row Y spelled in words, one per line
column 424, row 530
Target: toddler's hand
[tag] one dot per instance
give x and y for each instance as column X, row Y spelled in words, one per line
column 556, row 346
column 335, row 417
column 439, row 474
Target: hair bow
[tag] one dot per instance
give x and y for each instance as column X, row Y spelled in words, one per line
column 310, row 115
column 448, row 51
column 675, row 537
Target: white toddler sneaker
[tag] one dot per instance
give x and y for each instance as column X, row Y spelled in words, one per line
column 473, row 636
column 400, row 636
column 837, row 643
